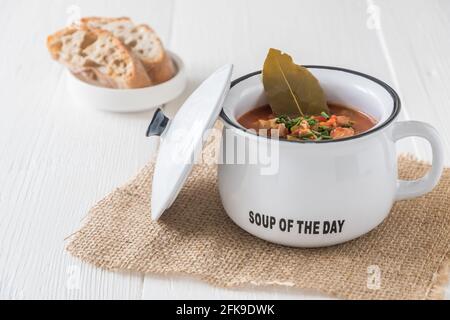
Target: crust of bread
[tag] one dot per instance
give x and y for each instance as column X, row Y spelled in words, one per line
column 53, row 43
column 162, row 70
column 101, row 20
column 88, row 21
column 98, row 61
column 159, row 66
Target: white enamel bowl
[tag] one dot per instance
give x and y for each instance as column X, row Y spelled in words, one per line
column 128, row 100
column 311, row 194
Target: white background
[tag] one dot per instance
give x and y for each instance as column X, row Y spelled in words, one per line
column 57, row 160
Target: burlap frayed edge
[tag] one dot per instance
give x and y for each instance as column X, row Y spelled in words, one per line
column 436, row 290
column 213, row 281
column 209, row 279
column 440, row 279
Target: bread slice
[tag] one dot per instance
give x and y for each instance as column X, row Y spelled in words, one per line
column 141, row 40
column 98, row 57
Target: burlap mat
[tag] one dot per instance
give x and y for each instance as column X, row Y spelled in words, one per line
column 404, row 258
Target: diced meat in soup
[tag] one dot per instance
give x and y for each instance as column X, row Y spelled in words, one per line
column 343, row 122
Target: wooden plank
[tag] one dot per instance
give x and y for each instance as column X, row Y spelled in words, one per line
column 208, row 34
column 57, row 160
column 417, row 34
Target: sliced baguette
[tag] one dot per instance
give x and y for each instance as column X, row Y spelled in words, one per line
column 143, row 42
column 98, row 57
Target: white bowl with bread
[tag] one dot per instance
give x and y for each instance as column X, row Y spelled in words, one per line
column 115, row 65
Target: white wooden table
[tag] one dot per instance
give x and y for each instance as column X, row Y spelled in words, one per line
column 57, row 160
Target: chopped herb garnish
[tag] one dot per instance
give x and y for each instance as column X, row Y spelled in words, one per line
column 325, row 115
column 308, row 127
column 307, row 135
column 288, row 122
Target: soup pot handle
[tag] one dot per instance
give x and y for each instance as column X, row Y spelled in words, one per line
column 411, row 189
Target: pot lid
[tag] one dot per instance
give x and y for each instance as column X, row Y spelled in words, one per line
column 181, row 138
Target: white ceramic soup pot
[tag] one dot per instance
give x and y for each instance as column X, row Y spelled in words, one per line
column 318, row 193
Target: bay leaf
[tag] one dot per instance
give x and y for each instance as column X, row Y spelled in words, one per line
column 291, row 89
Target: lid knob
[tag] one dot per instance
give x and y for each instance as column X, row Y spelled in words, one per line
column 158, row 124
